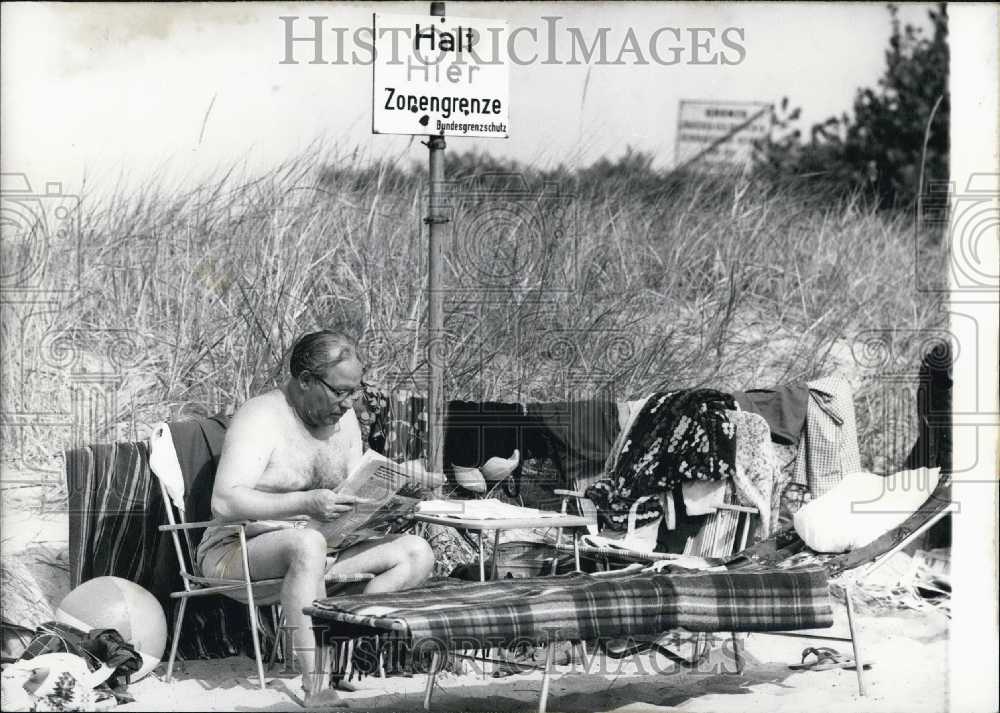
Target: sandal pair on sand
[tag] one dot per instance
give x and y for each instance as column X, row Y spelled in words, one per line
column 826, row 659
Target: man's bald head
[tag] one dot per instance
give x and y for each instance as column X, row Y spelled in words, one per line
column 321, row 350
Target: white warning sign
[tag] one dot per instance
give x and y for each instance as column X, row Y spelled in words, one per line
column 440, row 75
column 716, row 134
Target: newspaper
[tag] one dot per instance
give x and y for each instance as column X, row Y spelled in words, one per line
column 488, row 509
column 378, row 481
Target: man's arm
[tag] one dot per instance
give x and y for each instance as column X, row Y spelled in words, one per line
column 246, row 453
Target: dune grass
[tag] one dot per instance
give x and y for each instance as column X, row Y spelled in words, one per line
column 612, row 281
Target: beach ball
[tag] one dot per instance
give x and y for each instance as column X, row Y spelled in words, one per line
column 116, row 603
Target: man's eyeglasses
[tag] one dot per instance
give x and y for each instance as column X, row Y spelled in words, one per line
column 341, row 394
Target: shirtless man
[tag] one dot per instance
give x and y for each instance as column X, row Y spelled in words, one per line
column 284, row 452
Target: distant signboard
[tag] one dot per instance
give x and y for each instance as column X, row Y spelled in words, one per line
column 440, row 75
column 718, row 134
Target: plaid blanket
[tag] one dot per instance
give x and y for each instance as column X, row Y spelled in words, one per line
column 581, row 606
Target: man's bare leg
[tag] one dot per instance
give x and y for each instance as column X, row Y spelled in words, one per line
column 299, row 556
column 397, row 561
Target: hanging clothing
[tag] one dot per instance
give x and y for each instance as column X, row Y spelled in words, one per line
column 831, row 448
column 198, row 445
column 756, row 465
column 783, row 407
column 678, row 436
column 110, row 493
column 577, row 435
column 787, row 457
column 393, row 423
column 475, row 431
column 628, row 412
column 374, row 417
column 753, row 479
column 933, row 445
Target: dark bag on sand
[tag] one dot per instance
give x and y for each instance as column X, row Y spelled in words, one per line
column 15, row 640
column 96, row 647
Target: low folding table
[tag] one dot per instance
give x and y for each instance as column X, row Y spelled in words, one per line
column 478, row 525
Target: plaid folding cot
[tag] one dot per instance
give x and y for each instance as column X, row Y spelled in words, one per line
column 447, row 615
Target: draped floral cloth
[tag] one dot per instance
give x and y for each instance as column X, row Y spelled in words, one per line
column 392, row 423
column 678, row 436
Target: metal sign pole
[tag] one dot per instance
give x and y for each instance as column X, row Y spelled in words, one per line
column 435, row 220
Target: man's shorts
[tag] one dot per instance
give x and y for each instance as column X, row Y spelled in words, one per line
column 219, row 553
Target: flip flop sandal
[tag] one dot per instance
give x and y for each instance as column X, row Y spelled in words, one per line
column 562, row 654
column 820, row 652
column 508, row 668
column 826, row 659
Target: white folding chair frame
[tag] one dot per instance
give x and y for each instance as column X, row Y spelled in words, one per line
column 199, row 586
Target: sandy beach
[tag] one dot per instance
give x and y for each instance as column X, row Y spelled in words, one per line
column 908, row 650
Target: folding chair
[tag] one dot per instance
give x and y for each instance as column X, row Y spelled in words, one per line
column 196, row 585
column 723, row 533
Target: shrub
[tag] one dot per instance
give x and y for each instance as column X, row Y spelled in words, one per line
column 880, row 150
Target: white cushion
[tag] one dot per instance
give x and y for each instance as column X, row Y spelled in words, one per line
column 862, row 507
